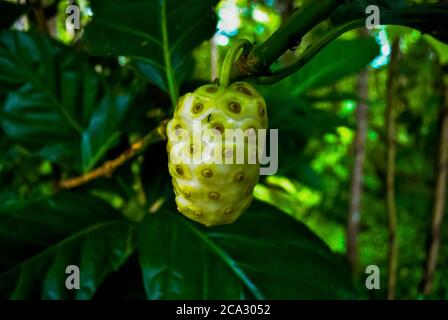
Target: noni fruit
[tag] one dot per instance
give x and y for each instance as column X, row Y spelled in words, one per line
column 208, row 191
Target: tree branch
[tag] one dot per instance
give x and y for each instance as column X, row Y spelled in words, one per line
column 255, row 65
column 108, row 168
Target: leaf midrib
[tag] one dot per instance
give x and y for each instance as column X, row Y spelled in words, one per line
column 63, row 242
column 45, row 90
column 225, row 257
column 170, row 77
column 128, row 30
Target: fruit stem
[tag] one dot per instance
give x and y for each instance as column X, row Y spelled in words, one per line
column 227, row 65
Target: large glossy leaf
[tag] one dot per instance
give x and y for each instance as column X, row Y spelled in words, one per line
column 339, row 59
column 101, row 133
column 159, row 34
column 57, row 99
column 428, row 18
column 297, row 120
column 265, row 254
column 39, row 240
column 44, row 104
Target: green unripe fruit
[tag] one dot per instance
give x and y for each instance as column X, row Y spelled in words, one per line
column 207, row 192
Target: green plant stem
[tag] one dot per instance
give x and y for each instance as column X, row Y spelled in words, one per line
column 308, row 54
column 227, row 65
column 287, row 36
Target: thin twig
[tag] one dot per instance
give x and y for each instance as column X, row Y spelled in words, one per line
column 108, row 168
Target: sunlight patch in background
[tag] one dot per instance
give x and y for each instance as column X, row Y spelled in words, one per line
column 385, row 49
column 228, row 22
column 235, row 17
column 259, row 15
column 229, row 18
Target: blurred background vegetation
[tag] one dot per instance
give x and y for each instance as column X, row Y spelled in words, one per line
column 316, row 113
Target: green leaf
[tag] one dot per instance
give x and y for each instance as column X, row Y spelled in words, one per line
column 59, row 105
column 339, row 59
column 101, row 134
column 38, row 240
column 440, row 47
column 264, row 255
column 160, row 35
column 300, row 122
column 427, row 18
column 9, row 12
column 35, row 66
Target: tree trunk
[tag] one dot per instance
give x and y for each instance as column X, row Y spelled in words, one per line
column 354, row 216
column 439, row 195
column 391, row 102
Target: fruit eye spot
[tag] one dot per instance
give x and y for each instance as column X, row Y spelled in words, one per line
column 207, row 173
column 198, row 107
column 187, row 194
column 192, row 149
column 219, row 127
column 228, row 211
column 177, row 130
column 243, row 90
column 179, row 170
column 239, row 177
column 261, row 110
column 235, row 107
column 211, row 89
column 198, row 213
column 213, row 195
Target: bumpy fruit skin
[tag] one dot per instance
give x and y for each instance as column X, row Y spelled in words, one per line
column 210, row 193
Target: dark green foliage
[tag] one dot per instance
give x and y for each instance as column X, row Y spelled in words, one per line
column 57, row 105
column 160, row 35
column 266, row 255
column 40, row 239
